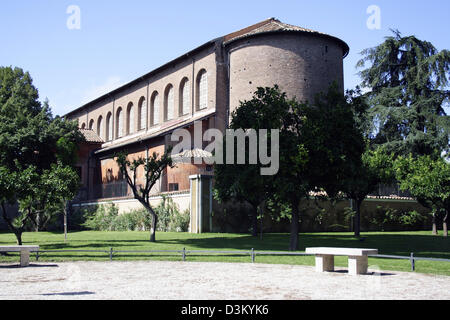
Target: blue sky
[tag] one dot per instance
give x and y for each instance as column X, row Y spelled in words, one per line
column 121, row 40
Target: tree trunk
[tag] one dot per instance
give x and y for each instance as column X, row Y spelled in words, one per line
column 357, row 218
column 255, row 221
column 154, row 217
column 17, row 232
column 38, row 220
column 444, row 223
column 19, row 238
column 153, row 228
column 293, row 242
column 434, row 230
column 66, row 209
column 261, row 229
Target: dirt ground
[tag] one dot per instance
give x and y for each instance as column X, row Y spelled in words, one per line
column 156, row 280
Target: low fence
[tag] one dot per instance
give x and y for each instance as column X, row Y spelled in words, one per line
column 251, row 253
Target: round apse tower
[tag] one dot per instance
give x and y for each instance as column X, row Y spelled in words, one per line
column 301, row 62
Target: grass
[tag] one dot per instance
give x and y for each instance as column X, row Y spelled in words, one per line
column 422, row 243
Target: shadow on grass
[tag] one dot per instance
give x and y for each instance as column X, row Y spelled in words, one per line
column 17, row 266
column 403, row 244
column 389, row 244
column 82, row 293
column 105, row 245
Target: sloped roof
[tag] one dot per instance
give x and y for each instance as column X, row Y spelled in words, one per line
column 274, row 25
column 91, row 136
column 187, row 155
column 267, row 26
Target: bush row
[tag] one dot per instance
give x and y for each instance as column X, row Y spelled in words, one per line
column 107, row 218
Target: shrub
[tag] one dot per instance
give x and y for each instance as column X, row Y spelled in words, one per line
column 135, row 220
column 180, row 221
column 165, row 211
column 102, row 219
column 107, row 218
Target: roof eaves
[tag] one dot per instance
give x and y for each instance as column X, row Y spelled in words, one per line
column 153, row 135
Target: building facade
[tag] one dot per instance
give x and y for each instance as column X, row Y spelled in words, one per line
column 201, row 87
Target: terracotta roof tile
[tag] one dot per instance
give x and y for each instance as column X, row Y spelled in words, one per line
column 269, row 25
column 91, row 136
column 187, row 155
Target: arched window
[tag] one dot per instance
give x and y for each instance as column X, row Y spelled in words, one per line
column 83, row 126
column 168, row 103
column 119, row 123
column 185, row 97
column 100, row 132
column 91, row 124
column 202, row 90
column 130, row 118
column 155, row 109
column 109, row 127
column 142, row 114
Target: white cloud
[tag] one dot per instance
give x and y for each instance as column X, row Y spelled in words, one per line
column 97, row 91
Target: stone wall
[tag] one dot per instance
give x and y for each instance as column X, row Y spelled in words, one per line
column 321, row 216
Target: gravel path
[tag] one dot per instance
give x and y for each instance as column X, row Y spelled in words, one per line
column 154, row 280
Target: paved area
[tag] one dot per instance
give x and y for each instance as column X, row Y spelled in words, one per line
column 154, row 280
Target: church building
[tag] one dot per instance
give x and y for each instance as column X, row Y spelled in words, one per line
column 203, row 86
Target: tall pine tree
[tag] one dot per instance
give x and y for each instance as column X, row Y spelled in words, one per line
column 407, row 81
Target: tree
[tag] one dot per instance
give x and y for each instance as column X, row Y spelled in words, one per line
column 244, row 182
column 9, row 186
column 375, row 165
column 153, row 167
column 320, row 147
column 374, row 169
column 35, row 163
column 427, row 178
column 407, row 82
column 40, row 195
column 46, row 193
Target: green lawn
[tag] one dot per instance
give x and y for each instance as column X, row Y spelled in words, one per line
column 423, row 244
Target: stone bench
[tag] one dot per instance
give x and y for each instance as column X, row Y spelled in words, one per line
column 357, row 258
column 24, row 252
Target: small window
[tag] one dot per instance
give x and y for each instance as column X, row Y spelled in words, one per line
column 173, row 186
column 202, row 90
column 100, row 132
column 142, row 114
column 130, row 119
column 155, row 109
column 91, row 124
column 109, row 127
column 185, row 99
column 119, row 123
column 169, row 103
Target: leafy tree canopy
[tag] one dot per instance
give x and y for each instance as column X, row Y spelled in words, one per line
column 427, row 178
column 408, row 88
column 37, row 155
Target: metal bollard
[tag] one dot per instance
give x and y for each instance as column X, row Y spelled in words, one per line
column 110, row 254
column 253, row 255
column 413, row 262
column 184, row 254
